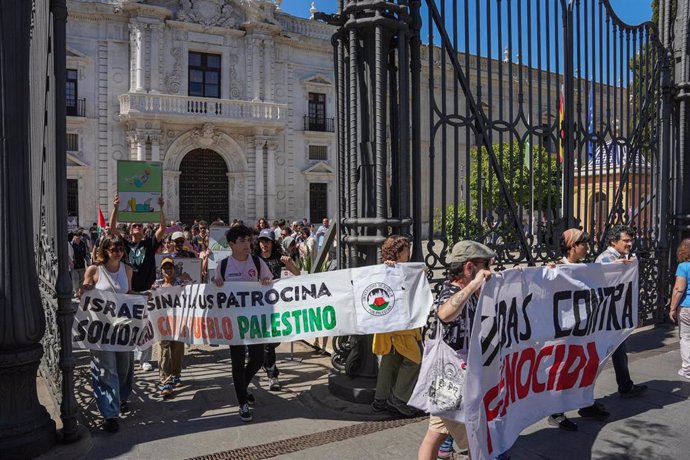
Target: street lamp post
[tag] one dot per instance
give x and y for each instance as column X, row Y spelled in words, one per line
column 26, row 429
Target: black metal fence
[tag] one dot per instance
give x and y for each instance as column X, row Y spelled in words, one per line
column 517, row 118
column 542, row 116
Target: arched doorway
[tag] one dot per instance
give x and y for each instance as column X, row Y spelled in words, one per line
column 203, row 187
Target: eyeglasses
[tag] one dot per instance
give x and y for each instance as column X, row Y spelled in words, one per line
column 168, row 267
column 137, row 225
column 116, row 249
column 203, row 228
column 180, row 241
column 482, row 262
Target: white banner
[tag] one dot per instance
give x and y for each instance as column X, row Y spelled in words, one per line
column 342, row 302
column 111, row 322
column 538, row 345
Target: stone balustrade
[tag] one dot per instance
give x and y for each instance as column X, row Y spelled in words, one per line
column 161, row 106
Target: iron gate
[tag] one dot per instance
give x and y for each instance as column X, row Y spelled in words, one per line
column 544, row 115
column 515, row 120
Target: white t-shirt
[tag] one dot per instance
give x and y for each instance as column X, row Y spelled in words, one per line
column 237, row 270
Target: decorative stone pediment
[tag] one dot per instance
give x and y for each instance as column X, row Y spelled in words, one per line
column 320, row 81
column 319, row 172
column 210, row 13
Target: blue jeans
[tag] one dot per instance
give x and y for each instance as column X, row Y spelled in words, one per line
column 112, row 379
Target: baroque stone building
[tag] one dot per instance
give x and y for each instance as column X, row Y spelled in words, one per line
column 235, row 98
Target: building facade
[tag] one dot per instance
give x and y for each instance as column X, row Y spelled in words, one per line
column 235, row 99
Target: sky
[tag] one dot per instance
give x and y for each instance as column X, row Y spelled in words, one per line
column 630, row 11
column 539, row 50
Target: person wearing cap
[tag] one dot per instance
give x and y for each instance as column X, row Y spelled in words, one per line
column 172, row 352
column 454, row 309
column 574, row 245
column 272, row 254
column 179, row 241
column 141, row 256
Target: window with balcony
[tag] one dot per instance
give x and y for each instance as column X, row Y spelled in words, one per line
column 204, row 75
column 318, row 152
column 75, row 107
column 72, row 142
column 316, row 120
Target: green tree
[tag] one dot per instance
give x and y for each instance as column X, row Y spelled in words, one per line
column 524, row 169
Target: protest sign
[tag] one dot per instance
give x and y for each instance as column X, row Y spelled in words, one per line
column 187, row 269
column 343, row 302
column 111, row 322
column 139, row 185
column 216, row 239
column 538, row 345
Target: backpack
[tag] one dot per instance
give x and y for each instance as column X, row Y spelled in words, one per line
column 257, row 264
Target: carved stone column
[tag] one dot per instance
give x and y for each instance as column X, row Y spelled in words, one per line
column 271, row 173
column 259, row 176
column 137, row 35
column 268, row 67
column 155, row 147
column 155, row 34
column 256, row 70
column 26, row 429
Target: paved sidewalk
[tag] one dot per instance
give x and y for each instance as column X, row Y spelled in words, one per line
column 302, row 421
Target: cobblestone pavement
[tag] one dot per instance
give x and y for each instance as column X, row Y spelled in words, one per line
column 303, row 421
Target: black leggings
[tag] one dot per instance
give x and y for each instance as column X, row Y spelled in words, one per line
column 243, row 373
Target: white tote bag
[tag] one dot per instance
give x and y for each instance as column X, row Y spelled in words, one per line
column 441, row 384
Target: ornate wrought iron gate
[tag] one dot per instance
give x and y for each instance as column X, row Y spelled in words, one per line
column 544, row 115
column 516, row 120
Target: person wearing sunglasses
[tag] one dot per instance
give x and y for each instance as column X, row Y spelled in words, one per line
column 141, row 255
column 111, row 371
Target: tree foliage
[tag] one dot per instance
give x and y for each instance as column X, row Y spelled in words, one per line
column 532, row 176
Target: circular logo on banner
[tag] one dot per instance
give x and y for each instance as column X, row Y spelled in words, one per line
column 378, row 299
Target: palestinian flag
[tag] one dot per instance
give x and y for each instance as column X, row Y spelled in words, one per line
column 101, row 222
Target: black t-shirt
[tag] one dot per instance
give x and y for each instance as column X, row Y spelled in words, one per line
column 275, row 265
column 143, row 261
column 456, row 333
column 80, row 251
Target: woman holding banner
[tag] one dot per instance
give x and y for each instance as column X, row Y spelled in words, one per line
column 400, row 352
column 111, row 371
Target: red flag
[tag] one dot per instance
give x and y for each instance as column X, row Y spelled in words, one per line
column 101, row 221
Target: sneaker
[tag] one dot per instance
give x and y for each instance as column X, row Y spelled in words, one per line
column 635, row 390
column 146, row 366
column 245, row 413
column 111, row 425
column 562, row 422
column 124, row 407
column 251, row 400
column 177, row 382
column 400, row 406
column 595, row 411
column 166, row 390
column 379, row 405
column 445, row 454
column 682, row 373
column 274, row 384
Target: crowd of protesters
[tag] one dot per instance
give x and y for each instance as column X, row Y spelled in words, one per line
column 121, row 258
column 123, row 261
